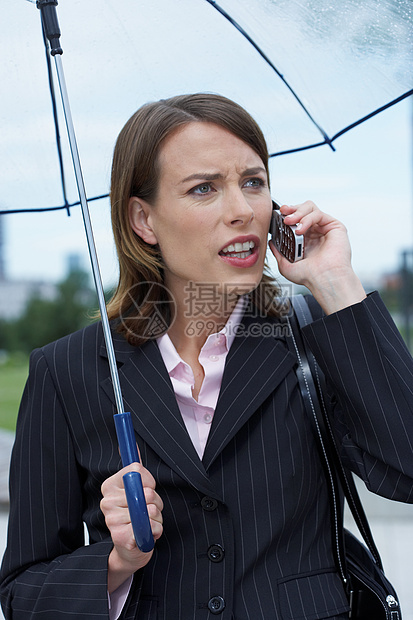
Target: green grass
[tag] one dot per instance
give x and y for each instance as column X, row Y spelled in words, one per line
column 13, row 375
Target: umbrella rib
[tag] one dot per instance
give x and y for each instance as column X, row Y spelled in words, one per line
column 56, row 123
column 233, row 22
column 68, row 205
column 371, row 114
column 346, row 129
column 300, row 148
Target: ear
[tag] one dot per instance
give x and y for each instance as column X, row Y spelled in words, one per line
column 139, row 218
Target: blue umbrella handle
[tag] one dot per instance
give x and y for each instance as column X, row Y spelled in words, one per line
column 133, row 483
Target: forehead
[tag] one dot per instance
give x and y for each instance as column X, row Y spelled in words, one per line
column 201, row 145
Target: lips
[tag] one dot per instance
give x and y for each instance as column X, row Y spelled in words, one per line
column 241, row 252
column 238, row 250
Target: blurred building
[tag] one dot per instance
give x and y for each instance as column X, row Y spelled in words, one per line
column 14, row 294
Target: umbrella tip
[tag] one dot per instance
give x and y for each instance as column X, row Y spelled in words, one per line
column 50, row 24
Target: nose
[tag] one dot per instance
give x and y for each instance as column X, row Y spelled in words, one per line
column 238, row 211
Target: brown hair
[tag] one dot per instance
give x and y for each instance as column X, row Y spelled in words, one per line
column 135, row 172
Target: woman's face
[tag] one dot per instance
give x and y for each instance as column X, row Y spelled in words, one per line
column 212, row 211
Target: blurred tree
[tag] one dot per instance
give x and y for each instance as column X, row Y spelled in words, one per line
column 397, row 294
column 390, row 292
column 406, row 293
column 8, row 341
column 44, row 321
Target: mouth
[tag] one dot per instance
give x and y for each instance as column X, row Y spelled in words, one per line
column 238, row 250
column 242, row 252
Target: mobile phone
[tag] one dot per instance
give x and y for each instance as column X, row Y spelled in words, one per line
column 285, row 238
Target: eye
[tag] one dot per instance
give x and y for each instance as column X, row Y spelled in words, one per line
column 204, row 188
column 255, row 182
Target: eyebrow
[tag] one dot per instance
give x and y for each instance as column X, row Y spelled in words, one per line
column 207, row 176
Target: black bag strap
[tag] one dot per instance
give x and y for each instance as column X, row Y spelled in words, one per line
column 313, row 392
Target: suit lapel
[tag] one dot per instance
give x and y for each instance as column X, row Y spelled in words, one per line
column 148, row 394
column 256, row 364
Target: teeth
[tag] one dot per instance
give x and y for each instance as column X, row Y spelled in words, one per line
column 239, row 248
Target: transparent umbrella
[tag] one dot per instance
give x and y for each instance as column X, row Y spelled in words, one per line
column 307, row 70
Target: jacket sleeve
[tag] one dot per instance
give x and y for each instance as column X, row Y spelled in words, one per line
column 366, row 361
column 48, row 572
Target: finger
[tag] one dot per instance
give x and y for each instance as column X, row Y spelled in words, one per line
column 314, row 220
column 282, row 262
column 157, row 529
column 113, row 482
column 156, row 520
column 113, row 490
column 152, row 497
column 114, row 508
column 147, row 479
column 300, row 209
column 295, row 215
column 274, row 250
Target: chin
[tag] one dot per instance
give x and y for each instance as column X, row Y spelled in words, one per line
column 241, row 288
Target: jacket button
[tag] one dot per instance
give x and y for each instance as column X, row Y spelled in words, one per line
column 209, row 504
column 216, row 553
column 216, row 605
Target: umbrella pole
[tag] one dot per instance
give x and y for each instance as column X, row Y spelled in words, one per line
column 124, row 428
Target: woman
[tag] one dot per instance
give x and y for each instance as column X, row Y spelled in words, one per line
column 235, row 490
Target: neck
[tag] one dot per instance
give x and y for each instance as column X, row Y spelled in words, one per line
column 197, row 317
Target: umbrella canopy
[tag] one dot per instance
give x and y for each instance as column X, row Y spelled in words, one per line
column 307, row 70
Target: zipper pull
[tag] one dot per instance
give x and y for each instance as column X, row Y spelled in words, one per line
column 391, row 601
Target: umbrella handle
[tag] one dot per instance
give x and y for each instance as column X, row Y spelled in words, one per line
column 133, row 483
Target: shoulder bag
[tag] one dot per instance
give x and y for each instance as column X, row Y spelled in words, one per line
column 371, row 595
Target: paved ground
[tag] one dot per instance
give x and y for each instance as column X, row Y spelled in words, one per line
column 391, row 524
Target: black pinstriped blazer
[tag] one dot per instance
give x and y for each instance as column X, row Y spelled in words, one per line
column 247, row 530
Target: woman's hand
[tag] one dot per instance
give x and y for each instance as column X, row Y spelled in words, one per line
column 326, row 269
column 125, row 557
